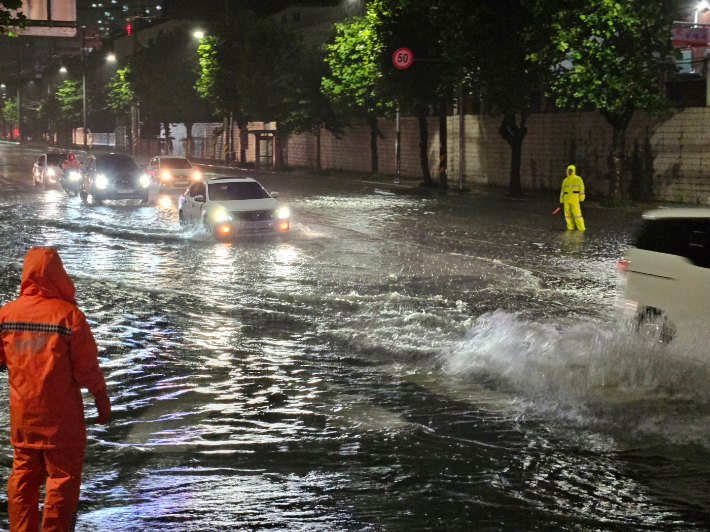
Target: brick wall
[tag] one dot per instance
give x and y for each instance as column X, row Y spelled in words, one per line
column 669, row 154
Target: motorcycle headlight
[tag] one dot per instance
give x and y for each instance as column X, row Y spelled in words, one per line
column 196, row 176
column 73, row 176
column 51, row 172
column 221, row 216
column 144, row 180
column 166, row 176
column 282, row 213
column 101, row 181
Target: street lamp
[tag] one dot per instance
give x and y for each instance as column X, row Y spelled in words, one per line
column 111, row 58
column 701, row 8
column 63, row 70
column 199, row 34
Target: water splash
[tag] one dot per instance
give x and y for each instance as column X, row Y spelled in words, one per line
column 592, row 372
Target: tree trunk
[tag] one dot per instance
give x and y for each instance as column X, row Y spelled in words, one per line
column 618, row 160
column 188, row 147
column 514, row 136
column 443, row 146
column 243, row 143
column 424, row 147
column 619, row 121
column 166, row 126
column 372, row 122
column 318, row 161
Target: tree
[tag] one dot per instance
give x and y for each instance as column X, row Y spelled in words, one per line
column 492, row 40
column 609, row 56
column 353, row 82
column 251, row 70
column 49, row 113
column 119, row 95
column 305, row 108
column 9, row 111
column 8, row 19
column 162, row 76
column 432, row 79
column 70, row 96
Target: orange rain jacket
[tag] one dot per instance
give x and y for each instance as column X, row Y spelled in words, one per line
column 50, row 355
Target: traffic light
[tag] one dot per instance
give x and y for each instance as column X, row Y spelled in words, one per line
column 128, row 29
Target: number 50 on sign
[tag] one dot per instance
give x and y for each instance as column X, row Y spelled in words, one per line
column 402, row 58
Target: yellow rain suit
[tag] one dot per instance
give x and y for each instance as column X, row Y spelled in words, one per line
column 571, row 194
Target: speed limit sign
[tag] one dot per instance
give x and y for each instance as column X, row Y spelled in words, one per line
column 402, row 58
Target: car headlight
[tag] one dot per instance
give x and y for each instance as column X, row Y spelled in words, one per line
column 196, row 176
column 101, row 181
column 51, row 172
column 166, row 176
column 282, row 213
column 144, row 180
column 220, row 216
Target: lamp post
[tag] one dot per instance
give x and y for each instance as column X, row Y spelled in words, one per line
column 700, row 8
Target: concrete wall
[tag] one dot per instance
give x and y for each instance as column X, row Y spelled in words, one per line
column 668, row 155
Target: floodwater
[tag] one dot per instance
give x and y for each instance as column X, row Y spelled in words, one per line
column 400, row 361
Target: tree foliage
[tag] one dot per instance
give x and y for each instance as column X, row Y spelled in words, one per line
column 70, row 96
column 119, row 94
column 9, row 111
column 162, row 78
column 9, row 18
column 609, row 56
column 492, row 41
column 353, row 83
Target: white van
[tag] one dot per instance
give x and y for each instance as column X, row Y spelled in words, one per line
column 667, row 288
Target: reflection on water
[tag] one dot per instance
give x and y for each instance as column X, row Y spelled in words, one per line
column 396, row 362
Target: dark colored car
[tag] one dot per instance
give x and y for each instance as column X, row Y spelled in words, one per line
column 113, row 177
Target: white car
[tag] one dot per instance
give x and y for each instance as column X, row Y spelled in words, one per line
column 668, row 276
column 169, row 171
column 228, row 206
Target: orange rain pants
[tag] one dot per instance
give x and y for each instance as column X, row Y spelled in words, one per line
column 62, row 470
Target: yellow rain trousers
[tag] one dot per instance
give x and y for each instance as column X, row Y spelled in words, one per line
column 571, row 194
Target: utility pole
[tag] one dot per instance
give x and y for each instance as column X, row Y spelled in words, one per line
column 83, row 79
column 19, row 111
column 462, row 138
column 398, row 151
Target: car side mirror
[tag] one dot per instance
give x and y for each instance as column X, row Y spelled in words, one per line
column 200, row 198
column 274, row 195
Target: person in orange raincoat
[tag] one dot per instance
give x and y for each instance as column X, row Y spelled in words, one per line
column 50, row 355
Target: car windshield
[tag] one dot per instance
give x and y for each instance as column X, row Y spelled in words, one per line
column 236, row 191
column 175, row 164
column 115, row 164
column 56, row 158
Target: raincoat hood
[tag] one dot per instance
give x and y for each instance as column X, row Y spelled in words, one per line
column 573, row 168
column 43, row 275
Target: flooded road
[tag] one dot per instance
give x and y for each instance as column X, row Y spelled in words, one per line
column 401, row 361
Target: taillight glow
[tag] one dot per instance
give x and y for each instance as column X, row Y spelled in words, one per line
column 283, row 226
column 623, row 264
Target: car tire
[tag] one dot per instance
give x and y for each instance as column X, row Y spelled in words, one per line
column 208, row 226
column 84, row 197
column 144, row 200
column 44, row 182
column 654, row 322
column 181, row 219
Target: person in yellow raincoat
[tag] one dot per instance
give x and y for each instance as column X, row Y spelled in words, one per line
column 571, row 194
